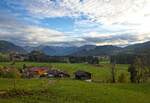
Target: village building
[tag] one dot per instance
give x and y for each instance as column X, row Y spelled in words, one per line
column 44, row 72
column 58, row 73
column 35, row 72
column 83, row 75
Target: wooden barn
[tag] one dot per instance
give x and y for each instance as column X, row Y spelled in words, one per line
column 83, row 75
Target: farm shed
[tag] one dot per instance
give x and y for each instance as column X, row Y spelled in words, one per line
column 83, row 75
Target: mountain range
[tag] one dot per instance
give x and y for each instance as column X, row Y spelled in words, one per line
column 86, row 50
column 7, row 47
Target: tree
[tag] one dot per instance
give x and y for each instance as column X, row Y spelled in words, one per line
column 133, row 73
column 122, row 58
column 38, row 56
column 24, row 66
column 92, row 60
column 113, row 73
column 137, row 71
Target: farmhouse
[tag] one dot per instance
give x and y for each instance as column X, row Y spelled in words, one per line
column 35, row 72
column 83, row 75
column 40, row 70
column 44, row 72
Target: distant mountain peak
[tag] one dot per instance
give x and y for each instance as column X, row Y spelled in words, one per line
column 85, row 50
column 6, row 46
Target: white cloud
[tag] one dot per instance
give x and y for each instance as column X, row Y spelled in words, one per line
column 43, row 35
column 115, row 42
column 44, row 8
column 103, row 11
column 21, row 33
column 107, row 12
column 119, row 22
column 119, row 38
column 98, row 35
column 34, row 35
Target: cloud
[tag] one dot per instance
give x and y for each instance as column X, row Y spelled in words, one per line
column 41, row 9
column 112, row 11
column 33, row 35
column 120, row 39
column 104, row 11
column 21, row 33
column 118, row 22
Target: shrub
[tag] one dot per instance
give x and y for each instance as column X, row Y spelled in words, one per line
column 122, row 78
column 6, row 72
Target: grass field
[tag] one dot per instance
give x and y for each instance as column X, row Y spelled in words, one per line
column 70, row 90
column 100, row 73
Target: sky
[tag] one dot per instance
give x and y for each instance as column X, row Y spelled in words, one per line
column 75, row 22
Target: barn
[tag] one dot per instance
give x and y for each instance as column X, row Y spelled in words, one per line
column 83, row 75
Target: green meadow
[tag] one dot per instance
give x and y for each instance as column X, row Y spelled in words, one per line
column 46, row 90
column 100, row 72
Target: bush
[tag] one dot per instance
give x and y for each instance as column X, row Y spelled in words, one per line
column 4, row 57
column 123, row 78
column 6, row 72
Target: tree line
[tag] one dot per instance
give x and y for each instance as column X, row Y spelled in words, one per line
column 129, row 58
column 139, row 67
column 38, row 56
